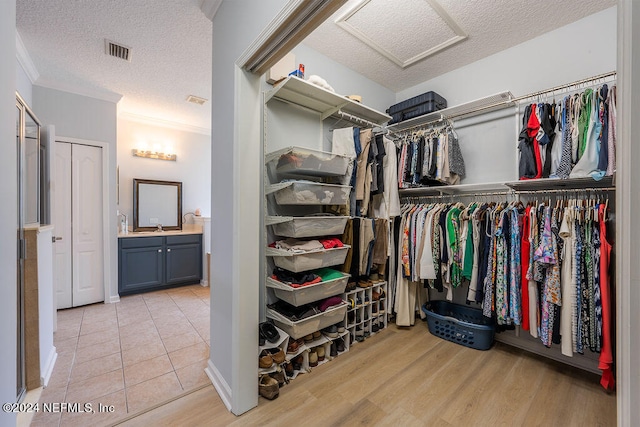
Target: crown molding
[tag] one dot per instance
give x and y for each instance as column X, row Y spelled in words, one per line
column 210, row 7
column 153, row 121
column 25, row 61
column 102, row 94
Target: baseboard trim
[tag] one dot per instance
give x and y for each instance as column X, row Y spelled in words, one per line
column 48, row 368
column 114, row 299
column 204, row 283
column 221, row 386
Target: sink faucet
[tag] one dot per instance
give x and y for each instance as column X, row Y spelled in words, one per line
column 159, row 227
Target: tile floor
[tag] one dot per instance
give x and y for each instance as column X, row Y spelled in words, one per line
column 133, row 354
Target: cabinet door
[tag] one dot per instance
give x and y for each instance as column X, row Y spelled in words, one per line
column 141, row 267
column 184, row 263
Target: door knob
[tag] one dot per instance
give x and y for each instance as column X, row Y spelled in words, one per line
column 55, row 239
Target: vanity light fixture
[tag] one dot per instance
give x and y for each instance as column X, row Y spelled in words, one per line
column 154, row 155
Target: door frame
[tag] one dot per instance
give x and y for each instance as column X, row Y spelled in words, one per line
column 106, row 188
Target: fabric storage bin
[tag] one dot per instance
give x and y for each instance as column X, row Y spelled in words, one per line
column 306, row 161
column 308, row 260
column 425, row 103
column 309, row 226
column 309, row 325
column 309, row 293
column 460, row 324
column 310, row 193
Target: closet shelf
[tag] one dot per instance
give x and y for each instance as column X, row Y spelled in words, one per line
column 560, row 184
column 309, row 293
column 307, row 226
column 296, row 91
column 453, row 189
column 295, row 161
column 479, row 106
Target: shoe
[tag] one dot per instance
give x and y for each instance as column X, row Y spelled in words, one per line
column 331, row 331
column 313, row 358
column 375, row 295
column 350, row 317
column 297, row 362
column 261, row 339
column 333, row 350
column 341, row 328
column 269, row 331
column 288, row 369
column 316, row 335
column 278, row 376
column 351, row 304
column 268, row 387
column 381, row 309
column 339, row 344
column 366, row 315
column 359, row 338
column 320, row 351
column 350, row 286
column 308, row 338
column 277, row 354
column 374, row 308
column 358, row 302
column 367, row 333
column 265, row 361
column 359, row 331
column 293, row 346
column 375, row 328
column 365, row 283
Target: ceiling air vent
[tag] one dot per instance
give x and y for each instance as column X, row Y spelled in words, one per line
column 196, row 99
column 117, row 50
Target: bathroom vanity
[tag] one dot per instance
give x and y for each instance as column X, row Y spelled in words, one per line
column 153, row 260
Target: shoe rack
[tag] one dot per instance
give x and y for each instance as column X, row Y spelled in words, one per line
column 366, row 313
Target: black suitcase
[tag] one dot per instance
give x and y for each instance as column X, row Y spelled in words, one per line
column 426, row 103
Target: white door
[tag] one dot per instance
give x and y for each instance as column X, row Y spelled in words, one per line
column 77, row 217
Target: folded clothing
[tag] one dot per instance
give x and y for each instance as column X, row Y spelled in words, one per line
column 292, row 312
column 329, row 302
column 298, row 246
column 328, row 274
column 295, row 314
column 331, row 243
column 295, row 280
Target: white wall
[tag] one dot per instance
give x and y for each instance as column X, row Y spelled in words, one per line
column 192, row 167
column 627, row 206
column 82, row 117
column 8, row 209
column 566, row 54
column 235, row 195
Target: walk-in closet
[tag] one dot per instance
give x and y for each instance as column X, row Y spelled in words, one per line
column 476, row 207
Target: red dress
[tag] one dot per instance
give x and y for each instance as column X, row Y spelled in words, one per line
column 605, row 362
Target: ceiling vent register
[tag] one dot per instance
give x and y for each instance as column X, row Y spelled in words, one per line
column 196, row 100
column 117, row 50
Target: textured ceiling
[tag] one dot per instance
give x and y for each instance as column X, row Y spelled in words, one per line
column 170, row 56
column 171, row 44
column 491, row 25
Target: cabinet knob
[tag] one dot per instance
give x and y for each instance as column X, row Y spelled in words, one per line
column 159, row 250
column 169, row 250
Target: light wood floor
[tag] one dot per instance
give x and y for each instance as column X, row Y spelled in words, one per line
column 407, row 377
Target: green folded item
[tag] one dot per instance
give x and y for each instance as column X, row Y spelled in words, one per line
column 327, row 274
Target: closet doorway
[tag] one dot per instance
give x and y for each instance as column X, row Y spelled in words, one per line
column 78, row 219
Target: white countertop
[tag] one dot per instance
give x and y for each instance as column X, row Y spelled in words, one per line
column 186, row 229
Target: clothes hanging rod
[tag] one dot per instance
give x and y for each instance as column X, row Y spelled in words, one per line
column 565, row 86
column 356, row 119
column 566, row 190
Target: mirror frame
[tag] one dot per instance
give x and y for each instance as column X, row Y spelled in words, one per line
column 136, row 194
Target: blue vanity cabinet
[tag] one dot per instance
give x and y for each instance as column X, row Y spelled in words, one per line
column 151, row 263
column 184, row 259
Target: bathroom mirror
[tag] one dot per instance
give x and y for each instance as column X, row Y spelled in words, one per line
column 157, row 203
